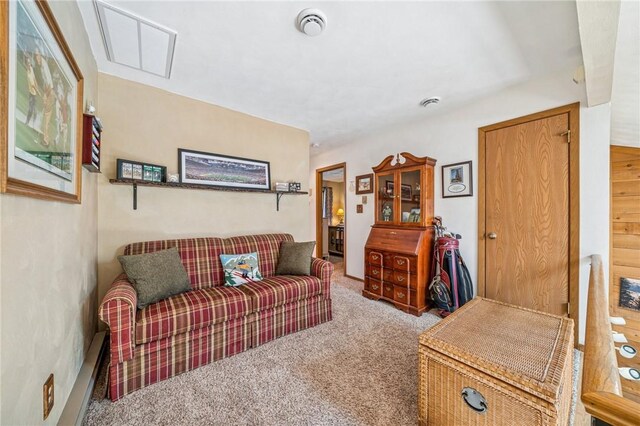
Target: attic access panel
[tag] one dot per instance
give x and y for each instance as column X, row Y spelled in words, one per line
column 136, row 42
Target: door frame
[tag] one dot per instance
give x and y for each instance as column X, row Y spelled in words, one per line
column 573, row 110
column 319, row 241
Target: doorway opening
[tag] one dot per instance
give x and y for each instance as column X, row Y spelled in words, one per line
column 331, row 220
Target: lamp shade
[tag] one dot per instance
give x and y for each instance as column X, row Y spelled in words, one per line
column 340, row 212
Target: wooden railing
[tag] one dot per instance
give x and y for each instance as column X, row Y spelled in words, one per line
column 601, row 390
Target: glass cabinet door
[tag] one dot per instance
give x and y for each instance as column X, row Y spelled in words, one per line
column 410, row 196
column 386, row 192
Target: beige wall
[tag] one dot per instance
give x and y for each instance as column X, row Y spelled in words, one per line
column 48, row 276
column 147, row 124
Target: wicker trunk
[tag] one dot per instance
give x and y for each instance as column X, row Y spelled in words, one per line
column 493, row 364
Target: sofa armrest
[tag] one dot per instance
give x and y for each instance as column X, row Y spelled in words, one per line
column 323, row 270
column 118, row 311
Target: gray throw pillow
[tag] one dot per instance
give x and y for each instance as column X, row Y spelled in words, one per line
column 156, row 275
column 295, row 258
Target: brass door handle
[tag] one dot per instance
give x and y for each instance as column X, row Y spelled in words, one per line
column 492, row 235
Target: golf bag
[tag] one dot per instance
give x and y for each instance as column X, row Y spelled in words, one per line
column 451, row 285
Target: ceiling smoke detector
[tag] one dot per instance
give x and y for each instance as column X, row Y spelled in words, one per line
column 311, row 22
column 429, row 101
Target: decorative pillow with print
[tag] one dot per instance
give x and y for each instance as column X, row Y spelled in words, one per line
column 240, row 268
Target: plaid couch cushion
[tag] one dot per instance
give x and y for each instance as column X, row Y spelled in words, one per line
column 281, row 289
column 267, row 246
column 189, row 311
column 200, row 257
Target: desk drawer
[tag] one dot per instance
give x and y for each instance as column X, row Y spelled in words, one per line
column 375, row 287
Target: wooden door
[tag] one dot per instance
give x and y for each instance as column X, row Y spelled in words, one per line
column 527, row 214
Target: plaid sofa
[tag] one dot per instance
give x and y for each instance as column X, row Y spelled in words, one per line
column 211, row 321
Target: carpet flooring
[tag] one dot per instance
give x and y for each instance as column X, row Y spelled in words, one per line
column 358, row 369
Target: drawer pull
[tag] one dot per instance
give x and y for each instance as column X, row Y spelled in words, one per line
column 375, row 272
column 388, row 289
column 400, row 295
column 393, row 233
column 375, row 257
column 400, row 262
column 400, row 278
column 375, row 287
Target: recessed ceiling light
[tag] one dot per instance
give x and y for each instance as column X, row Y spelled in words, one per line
column 429, row 101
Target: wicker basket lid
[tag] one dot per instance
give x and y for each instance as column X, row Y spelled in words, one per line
column 525, row 348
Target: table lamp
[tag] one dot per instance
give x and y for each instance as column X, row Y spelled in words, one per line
column 340, row 214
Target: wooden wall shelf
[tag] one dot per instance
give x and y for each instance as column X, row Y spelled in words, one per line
column 136, row 183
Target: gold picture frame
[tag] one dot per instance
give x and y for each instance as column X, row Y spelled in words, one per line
column 41, row 107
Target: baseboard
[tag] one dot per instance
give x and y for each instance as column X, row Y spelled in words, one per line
column 78, row 401
column 354, row 278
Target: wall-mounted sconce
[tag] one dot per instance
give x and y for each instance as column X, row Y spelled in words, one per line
column 352, row 186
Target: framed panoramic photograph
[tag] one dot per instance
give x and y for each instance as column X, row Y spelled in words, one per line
column 41, row 107
column 203, row 168
column 457, row 180
column 364, row 184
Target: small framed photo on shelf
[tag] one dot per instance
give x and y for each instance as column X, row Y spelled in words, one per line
column 405, row 192
column 134, row 170
column 364, row 184
column 457, row 180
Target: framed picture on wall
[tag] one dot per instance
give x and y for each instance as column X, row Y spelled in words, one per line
column 41, row 109
column 629, row 293
column 364, row 184
column 457, row 180
column 128, row 169
column 204, row 168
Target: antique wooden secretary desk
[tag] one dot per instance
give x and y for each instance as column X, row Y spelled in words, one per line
column 398, row 252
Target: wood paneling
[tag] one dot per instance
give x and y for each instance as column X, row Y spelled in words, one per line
column 626, row 228
column 623, row 153
column 626, row 257
column 625, row 170
column 625, row 188
column 626, row 209
column 625, row 248
column 626, row 241
column 527, row 206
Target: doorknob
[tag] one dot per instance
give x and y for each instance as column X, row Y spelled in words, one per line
column 492, row 235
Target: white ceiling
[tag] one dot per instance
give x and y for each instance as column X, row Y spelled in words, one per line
column 369, row 69
column 625, row 96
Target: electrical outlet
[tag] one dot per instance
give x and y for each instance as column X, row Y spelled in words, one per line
column 47, row 397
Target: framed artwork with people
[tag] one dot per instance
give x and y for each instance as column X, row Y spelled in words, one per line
column 42, row 109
